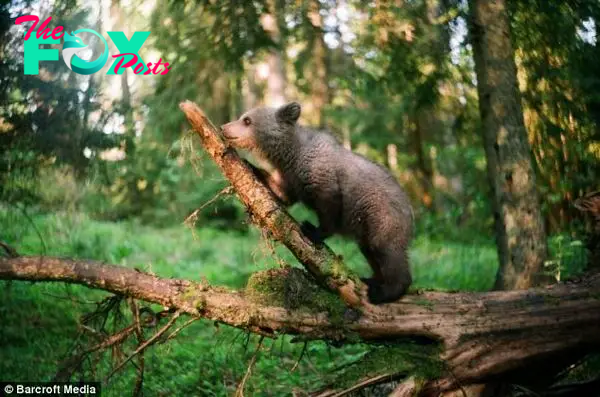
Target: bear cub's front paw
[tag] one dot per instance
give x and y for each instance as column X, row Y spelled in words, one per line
column 312, row 232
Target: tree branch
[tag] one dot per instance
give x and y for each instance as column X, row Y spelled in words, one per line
column 484, row 335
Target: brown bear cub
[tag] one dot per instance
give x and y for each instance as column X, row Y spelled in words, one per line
column 351, row 195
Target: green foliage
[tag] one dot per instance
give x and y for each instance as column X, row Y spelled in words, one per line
column 453, row 266
column 43, row 118
column 568, row 257
column 560, row 93
column 18, row 170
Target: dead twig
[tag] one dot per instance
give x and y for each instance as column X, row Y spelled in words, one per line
column 144, row 345
column 76, row 360
column 191, row 219
column 35, row 228
column 407, row 388
column 300, row 358
column 358, row 386
column 10, row 251
column 240, row 390
column 139, row 382
column 177, row 330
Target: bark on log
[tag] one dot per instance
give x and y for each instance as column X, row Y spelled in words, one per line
column 484, row 335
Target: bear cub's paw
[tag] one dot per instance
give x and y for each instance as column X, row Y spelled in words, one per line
column 384, row 293
column 312, row 232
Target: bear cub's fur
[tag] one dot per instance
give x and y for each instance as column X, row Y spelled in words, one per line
column 351, row 195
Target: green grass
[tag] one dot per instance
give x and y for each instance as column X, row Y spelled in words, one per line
column 39, row 322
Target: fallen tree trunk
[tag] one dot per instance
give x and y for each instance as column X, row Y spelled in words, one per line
column 484, row 335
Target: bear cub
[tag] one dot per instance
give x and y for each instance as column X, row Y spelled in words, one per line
column 351, row 195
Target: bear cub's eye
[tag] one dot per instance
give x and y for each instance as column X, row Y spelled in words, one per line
column 247, row 121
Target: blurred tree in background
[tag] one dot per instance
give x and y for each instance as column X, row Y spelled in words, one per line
column 49, row 119
column 557, row 53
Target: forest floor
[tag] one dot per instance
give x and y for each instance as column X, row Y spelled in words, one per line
column 39, row 322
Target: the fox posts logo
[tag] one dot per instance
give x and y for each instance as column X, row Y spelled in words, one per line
column 128, row 56
column 73, row 45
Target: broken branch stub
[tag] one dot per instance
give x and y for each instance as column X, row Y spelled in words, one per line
column 320, row 261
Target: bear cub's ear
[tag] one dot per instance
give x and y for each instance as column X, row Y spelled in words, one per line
column 288, row 113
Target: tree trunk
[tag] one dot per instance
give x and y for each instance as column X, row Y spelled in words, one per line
column 118, row 20
column 427, row 115
column 520, row 234
column 424, row 161
column 126, row 107
column 319, row 77
column 221, row 98
column 276, row 81
column 250, row 90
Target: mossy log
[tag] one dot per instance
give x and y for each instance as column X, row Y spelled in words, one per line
column 482, row 336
